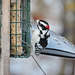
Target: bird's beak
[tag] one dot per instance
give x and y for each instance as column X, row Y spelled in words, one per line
column 34, row 21
column 37, row 21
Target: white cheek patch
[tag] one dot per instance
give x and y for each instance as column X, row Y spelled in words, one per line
column 44, row 32
column 40, row 28
column 43, row 23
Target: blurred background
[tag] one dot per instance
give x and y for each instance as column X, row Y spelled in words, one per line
column 60, row 14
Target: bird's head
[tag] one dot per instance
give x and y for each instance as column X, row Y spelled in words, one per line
column 42, row 25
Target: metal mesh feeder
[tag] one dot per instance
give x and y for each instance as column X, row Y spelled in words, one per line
column 20, row 28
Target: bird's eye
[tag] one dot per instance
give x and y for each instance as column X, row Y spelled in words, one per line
column 41, row 25
column 38, row 23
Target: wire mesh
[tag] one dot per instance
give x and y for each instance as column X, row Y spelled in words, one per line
column 0, row 17
column 20, row 28
column 0, row 23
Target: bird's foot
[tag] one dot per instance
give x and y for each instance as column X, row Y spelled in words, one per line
column 38, row 49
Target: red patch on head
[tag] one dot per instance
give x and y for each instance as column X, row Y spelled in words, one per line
column 47, row 26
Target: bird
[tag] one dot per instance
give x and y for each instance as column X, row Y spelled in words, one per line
column 40, row 37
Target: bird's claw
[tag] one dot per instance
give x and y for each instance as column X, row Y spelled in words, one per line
column 38, row 49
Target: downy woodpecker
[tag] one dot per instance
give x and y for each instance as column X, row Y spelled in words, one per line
column 40, row 36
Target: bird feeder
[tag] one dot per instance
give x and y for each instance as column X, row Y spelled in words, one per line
column 20, row 28
column 0, row 22
column 0, row 16
column 20, row 34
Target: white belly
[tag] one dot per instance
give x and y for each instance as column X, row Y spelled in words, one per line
column 35, row 38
